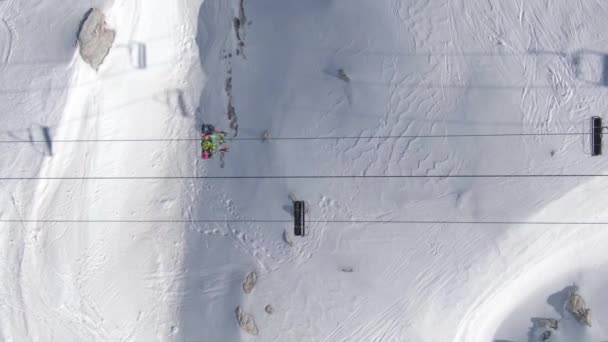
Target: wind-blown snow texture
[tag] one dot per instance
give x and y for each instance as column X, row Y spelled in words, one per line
column 414, row 67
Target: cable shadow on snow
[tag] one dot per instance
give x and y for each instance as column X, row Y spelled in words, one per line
column 588, row 66
column 396, row 53
column 597, row 77
column 138, row 51
column 375, row 116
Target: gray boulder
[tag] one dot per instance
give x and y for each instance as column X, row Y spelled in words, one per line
column 549, row 323
column 578, row 308
column 95, row 39
column 250, row 281
column 246, row 321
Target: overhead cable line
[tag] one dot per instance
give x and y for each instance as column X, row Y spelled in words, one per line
column 448, row 222
column 590, row 175
column 368, row 137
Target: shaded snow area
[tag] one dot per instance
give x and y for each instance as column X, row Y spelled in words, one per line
column 111, row 229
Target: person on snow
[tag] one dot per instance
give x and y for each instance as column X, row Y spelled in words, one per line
column 220, row 137
column 210, row 144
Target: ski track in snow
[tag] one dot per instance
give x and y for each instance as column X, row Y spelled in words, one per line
column 253, row 239
column 6, row 43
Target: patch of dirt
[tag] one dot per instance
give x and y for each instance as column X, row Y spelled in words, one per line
column 239, row 24
column 250, row 281
column 230, row 110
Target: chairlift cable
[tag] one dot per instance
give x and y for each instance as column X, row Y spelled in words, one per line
column 368, row 137
column 270, row 221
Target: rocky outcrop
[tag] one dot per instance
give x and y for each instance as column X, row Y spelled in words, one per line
column 250, row 281
column 95, row 39
column 543, row 328
column 545, row 336
column 269, row 309
column 569, row 299
column 578, row 308
column 246, row 321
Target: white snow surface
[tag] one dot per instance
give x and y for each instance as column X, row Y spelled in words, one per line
column 416, row 67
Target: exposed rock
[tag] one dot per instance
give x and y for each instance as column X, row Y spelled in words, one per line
column 269, row 309
column 347, row 269
column 250, row 281
column 549, row 323
column 542, row 329
column 246, row 321
column 578, row 308
column 239, row 29
column 545, row 336
column 95, row 38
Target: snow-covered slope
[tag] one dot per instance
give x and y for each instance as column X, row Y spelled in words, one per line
column 92, row 281
column 414, row 67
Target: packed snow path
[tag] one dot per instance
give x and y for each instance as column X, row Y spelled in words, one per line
column 88, row 281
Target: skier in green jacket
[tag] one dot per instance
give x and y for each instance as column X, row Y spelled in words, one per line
column 211, row 142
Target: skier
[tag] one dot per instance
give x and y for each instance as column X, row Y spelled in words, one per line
column 208, row 148
column 219, row 137
column 212, row 138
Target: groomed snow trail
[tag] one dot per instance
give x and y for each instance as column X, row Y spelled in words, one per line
column 92, row 281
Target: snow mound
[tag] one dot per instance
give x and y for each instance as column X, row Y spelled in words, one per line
column 95, row 38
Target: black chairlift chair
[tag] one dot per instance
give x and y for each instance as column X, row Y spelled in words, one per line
column 299, row 224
